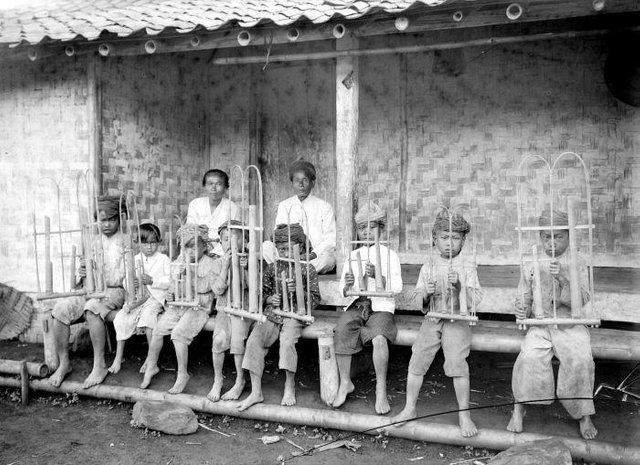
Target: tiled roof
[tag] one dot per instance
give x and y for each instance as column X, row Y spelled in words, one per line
column 76, row 19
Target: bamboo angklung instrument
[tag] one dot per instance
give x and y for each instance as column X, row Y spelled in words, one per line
column 449, row 291
column 580, row 314
column 130, row 230
column 251, row 208
column 184, row 274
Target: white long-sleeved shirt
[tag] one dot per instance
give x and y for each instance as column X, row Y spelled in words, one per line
column 318, row 222
column 199, row 212
column 394, row 281
column 158, row 267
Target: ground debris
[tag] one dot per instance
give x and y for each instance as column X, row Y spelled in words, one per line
column 266, row 440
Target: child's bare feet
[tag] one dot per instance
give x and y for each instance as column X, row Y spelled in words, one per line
column 344, row 390
column 254, row 398
column 58, row 376
column 517, row 417
column 115, row 366
column 214, row 393
column 235, row 392
column 181, row 382
column 382, row 402
column 587, row 429
column 467, row 426
column 97, row 376
column 404, row 416
column 149, row 373
column 289, row 396
column 143, row 368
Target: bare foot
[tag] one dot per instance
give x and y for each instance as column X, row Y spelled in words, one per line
column 235, row 392
column 515, row 424
column 115, row 366
column 181, row 382
column 344, row 390
column 214, row 393
column 97, row 375
column 404, row 416
column 249, row 401
column 587, row 429
column 289, row 396
column 467, row 427
column 143, row 368
column 149, row 373
column 58, row 376
column 382, row 402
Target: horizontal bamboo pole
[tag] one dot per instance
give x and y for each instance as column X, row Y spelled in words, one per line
column 591, row 451
column 365, row 293
column 14, row 367
column 59, row 295
column 305, row 318
column 259, row 317
column 452, row 316
column 558, row 321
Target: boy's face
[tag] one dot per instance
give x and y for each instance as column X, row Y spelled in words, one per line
column 302, row 184
column 448, row 243
column 190, row 250
column 283, row 249
column 215, row 186
column 108, row 225
column 226, row 239
column 149, row 248
column 366, row 231
column 559, row 239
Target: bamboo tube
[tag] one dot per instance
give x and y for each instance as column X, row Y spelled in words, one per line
column 537, row 285
column 58, row 295
column 14, row 367
column 49, row 342
column 559, row 321
column 89, row 284
column 130, row 272
column 171, row 239
column 236, row 291
column 285, row 292
column 378, row 265
column 452, row 317
column 24, row 382
column 300, row 307
column 449, row 287
column 591, row 451
column 254, row 278
column 48, row 265
column 188, row 284
column 361, row 277
column 72, row 268
column 462, row 296
column 574, row 275
column 328, row 366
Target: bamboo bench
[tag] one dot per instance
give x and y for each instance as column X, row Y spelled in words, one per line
column 617, row 298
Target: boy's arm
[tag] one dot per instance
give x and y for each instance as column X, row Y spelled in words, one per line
column 564, row 291
column 220, row 275
column 421, row 288
column 163, row 279
column 314, row 287
column 474, row 290
column 268, row 280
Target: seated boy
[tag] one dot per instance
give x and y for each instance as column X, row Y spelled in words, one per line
column 532, row 372
column 369, row 319
column 287, row 329
column 439, row 286
column 184, row 323
column 67, row 311
column 143, row 317
column 231, row 331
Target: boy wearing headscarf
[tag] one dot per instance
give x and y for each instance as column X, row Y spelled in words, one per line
column 532, row 377
column 368, row 319
column 439, row 288
column 184, row 323
column 94, row 310
column 314, row 215
column 288, row 330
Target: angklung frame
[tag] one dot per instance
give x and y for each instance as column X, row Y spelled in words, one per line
column 130, row 230
column 530, row 204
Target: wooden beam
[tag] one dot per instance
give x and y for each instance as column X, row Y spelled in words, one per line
column 94, row 120
column 404, row 153
column 347, row 91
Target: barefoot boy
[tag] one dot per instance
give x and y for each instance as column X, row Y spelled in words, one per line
column 184, row 323
column 94, row 310
column 287, row 329
column 532, row 373
column 439, row 284
column 143, row 317
column 371, row 319
column 231, row 331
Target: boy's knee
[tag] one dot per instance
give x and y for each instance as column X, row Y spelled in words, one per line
column 379, row 341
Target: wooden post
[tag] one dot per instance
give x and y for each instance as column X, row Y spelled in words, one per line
column 94, row 118
column 347, row 95
column 24, row 382
column 48, row 265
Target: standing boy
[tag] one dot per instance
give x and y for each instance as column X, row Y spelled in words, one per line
column 94, row 310
column 143, row 317
column 439, row 287
column 369, row 319
column 532, row 378
column 288, row 330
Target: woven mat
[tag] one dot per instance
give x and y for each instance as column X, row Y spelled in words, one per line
column 16, row 310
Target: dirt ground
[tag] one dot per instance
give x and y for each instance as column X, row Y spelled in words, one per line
column 73, row 430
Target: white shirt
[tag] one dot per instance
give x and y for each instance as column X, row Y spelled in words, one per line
column 158, row 267
column 112, row 248
column 199, row 212
column 393, row 284
column 318, row 221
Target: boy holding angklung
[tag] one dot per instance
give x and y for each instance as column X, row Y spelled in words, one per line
column 532, row 378
column 370, row 319
column 439, row 286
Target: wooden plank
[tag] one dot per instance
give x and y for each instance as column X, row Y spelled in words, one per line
column 346, row 152
column 94, row 119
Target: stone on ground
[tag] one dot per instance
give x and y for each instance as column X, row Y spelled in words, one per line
column 543, row 452
column 166, row 417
